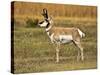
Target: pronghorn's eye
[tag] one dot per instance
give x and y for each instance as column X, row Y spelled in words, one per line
column 41, row 22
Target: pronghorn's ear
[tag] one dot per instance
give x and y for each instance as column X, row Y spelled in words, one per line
column 45, row 13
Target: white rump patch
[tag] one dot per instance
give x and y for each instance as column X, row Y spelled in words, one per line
column 44, row 24
column 65, row 38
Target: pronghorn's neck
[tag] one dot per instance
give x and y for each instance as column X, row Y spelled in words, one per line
column 48, row 28
column 49, row 25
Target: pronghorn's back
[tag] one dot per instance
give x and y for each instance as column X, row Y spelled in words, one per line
column 67, row 31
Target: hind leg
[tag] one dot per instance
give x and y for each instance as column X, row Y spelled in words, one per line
column 80, row 51
column 78, row 55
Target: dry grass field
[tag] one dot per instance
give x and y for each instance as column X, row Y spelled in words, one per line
column 33, row 51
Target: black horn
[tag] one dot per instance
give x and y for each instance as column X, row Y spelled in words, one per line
column 45, row 13
column 45, row 10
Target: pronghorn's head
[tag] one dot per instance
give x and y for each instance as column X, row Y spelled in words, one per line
column 47, row 20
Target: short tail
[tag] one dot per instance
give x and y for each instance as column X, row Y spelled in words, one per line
column 81, row 33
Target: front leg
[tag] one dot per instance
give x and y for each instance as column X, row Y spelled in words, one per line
column 57, row 52
column 80, row 52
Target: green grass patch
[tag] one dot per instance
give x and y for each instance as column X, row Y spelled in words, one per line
column 33, row 51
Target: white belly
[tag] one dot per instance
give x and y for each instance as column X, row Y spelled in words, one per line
column 65, row 38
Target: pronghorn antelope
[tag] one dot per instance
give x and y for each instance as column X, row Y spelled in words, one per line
column 62, row 35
